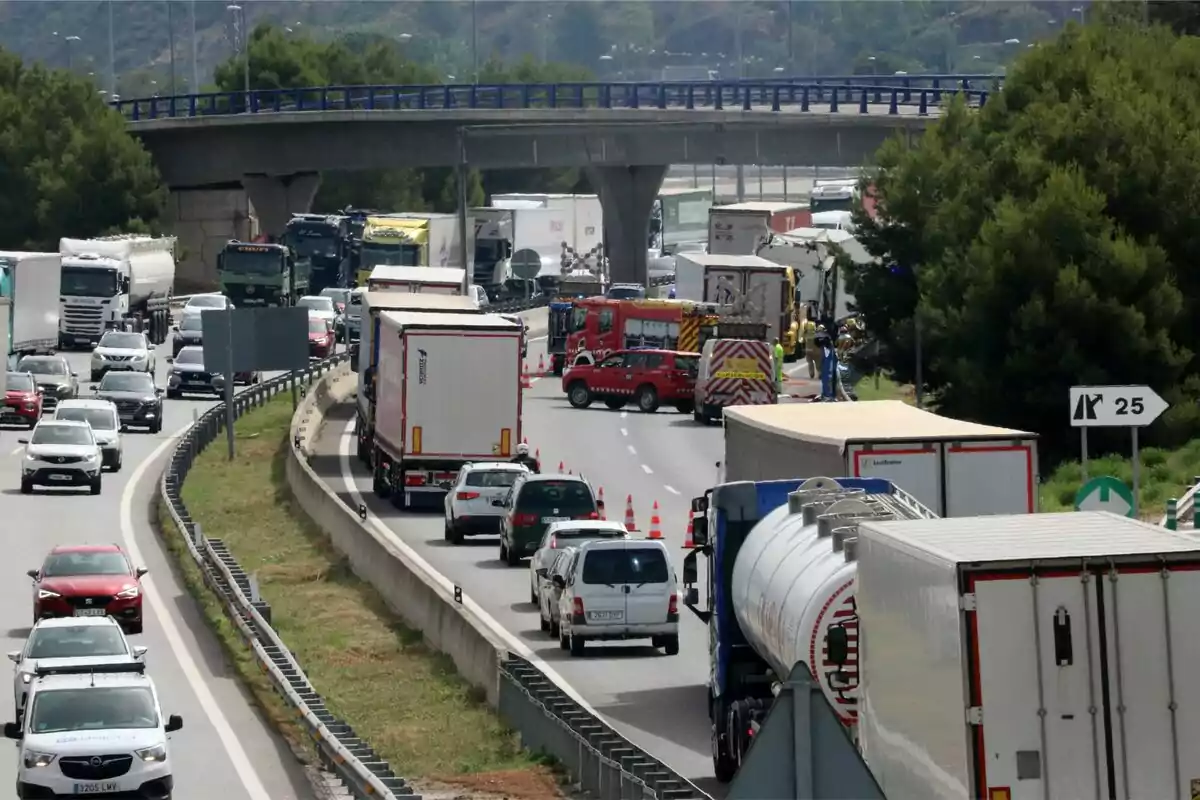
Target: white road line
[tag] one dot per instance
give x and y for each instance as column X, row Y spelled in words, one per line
column 624, row 432
column 624, row 414
column 212, row 709
column 647, row 470
column 631, row 449
column 671, row 489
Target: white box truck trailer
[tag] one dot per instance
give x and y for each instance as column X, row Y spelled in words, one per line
column 116, row 282
column 585, row 216
column 765, row 289
column 505, row 235
column 953, row 467
column 31, row 282
column 447, row 391
column 425, row 280
column 1029, row 657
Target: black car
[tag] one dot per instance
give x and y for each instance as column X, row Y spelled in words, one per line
column 138, row 400
column 190, row 376
column 187, row 334
column 54, row 377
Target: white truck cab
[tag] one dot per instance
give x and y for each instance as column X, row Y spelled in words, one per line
column 93, row 729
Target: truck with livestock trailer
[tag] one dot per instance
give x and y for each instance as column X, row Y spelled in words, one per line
column 262, row 274
column 740, row 229
column 324, row 241
column 32, row 283
column 427, row 280
column 364, row 355
column 113, row 283
column 956, row 468
column 445, row 391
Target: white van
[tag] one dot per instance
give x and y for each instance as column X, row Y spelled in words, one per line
column 619, row 589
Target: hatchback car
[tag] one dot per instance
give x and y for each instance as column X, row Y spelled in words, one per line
column 90, row 580
column 469, row 509
column 647, row 377
column 106, row 426
column 22, row 400
column 69, row 641
column 321, row 340
column 568, row 534
column 617, row 590
column 55, row 377
column 536, row 501
column 138, row 401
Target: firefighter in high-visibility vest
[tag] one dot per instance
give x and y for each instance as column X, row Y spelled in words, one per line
column 778, row 367
column 812, row 353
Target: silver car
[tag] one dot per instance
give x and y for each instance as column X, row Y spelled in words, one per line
column 469, row 509
column 571, row 533
column 549, row 594
column 69, row 641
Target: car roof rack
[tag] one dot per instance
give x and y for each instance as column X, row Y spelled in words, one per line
column 138, row 667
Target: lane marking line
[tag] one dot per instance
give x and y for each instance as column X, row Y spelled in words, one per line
column 624, row 432
column 630, row 448
column 208, row 703
column 624, row 414
column 647, row 470
column 671, row 489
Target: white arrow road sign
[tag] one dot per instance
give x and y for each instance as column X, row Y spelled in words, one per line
column 1114, row 406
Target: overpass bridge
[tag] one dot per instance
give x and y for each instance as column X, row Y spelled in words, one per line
column 274, row 143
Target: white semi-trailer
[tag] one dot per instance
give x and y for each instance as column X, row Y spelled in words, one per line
column 31, row 282
column 427, row 280
column 115, row 282
column 446, row 390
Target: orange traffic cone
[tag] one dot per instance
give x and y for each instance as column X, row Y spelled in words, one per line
column 561, row 467
column 688, row 541
column 630, row 523
column 525, row 440
column 655, row 523
column 537, row 455
column 541, row 365
column 600, row 502
column 525, row 382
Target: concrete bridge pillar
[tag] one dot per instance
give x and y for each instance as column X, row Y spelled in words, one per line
column 203, row 220
column 275, row 198
column 627, row 196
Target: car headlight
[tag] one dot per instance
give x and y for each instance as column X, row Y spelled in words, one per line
column 30, row 457
column 92, row 457
column 132, row 591
column 34, row 759
column 44, row 594
column 97, row 357
column 156, row 753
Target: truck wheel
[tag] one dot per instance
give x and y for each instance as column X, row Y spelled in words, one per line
column 615, row 403
column 647, row 399
column 579, row 395
column 724, row 766
column 379, row 484
column 739, row 740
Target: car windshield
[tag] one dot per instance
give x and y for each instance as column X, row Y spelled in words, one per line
column 690, row 364
column 192, row 323
column 42, row 365
column 62, row 434
column 76, row 641
column 626, row 293
column 123, row 341
column 20, row 382
column 492, row 477
column 627, row 565
column 207, row 301
column 317, row 325
column 189, row 356
column 316, row 303
column 101, row 419
column 92, row 709
column 85, row 562
column 566, row 498
column 126, row 382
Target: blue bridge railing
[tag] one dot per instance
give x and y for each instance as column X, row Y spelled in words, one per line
column 864, row 94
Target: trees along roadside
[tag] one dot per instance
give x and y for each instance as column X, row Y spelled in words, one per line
column 1047, row 240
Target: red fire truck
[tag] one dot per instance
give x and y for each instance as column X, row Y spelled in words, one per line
column 600, row 326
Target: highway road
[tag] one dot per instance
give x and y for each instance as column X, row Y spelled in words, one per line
column 658, row 702
column 225, row 749
column 761, row 183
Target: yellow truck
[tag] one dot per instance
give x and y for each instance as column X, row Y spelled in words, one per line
column 412, row 239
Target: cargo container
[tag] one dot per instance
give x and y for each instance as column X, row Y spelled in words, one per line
column 1029, row 657
column 32, row 284
column 750, row 286
column 115, row 282
column 741, row 229
column 446, row 391
column 424, row 280
column 954, row 467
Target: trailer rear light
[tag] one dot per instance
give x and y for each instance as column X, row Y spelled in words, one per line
column 1000, row 793
column 466, row 495
column 414, row 480
column 524, row 519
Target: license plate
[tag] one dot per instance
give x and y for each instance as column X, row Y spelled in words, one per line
column 59, row 477
column 89, row 612
column 605, row 615
column 97, row 788
column 548, row 520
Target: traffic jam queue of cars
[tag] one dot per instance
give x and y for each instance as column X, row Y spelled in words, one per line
column 591, row 580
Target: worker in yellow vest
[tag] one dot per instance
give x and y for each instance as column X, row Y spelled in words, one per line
column 778, row 367
column 812, row 353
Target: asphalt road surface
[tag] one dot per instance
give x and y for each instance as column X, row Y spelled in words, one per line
column 225, row 750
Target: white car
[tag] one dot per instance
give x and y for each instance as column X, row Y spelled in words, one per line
column 616, row 590
column 199, row 303
column 549, row 593
column 122, row 350
column 69, row 641
column 106, row 426
column 61, row 453
column 320, row 307
column 469, row 509
column 93, row 729
column 571, row 533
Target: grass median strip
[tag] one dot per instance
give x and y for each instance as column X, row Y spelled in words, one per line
column 402, row 697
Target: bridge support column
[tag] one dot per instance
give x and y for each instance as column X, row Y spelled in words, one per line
column 627, row 196
column 275, row 198
column 203, row 220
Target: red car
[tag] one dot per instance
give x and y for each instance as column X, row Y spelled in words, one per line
column 320, row 338
column 647, row 377
column 22, row 400
column 89, row 580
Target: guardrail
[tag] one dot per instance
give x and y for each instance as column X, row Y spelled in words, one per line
column 774, row 95
column 1183, row 509
column 342, row 752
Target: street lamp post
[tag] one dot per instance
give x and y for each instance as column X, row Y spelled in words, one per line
column 71, row 40
column 171, row 42
column 474, row 41
column 112, row 53
column 195, row 49
column 239, row 13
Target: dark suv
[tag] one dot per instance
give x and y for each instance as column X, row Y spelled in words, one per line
column 647, row 377
column 533, row 503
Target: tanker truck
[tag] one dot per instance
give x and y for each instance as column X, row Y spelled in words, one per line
column 115, row 282
column 780, row 583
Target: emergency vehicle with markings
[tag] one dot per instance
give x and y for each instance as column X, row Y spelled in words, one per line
column 599, row 326
column 734, row 372
column 647, row 377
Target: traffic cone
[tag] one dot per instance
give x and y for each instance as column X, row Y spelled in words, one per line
column 630, row 522
column 561, row 467
column 525, row 440
column 537, row 455
column 541, row 365
column 600, row 502
column 525, row 382
column 655, row 523
column 688, row 541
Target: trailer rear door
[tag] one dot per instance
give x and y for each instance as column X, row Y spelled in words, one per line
column 990, row 478
column 916, row 467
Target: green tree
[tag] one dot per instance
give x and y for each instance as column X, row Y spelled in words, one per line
column 67, row 164
column 1045, row 241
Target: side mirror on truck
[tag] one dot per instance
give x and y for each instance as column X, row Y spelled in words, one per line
column 700, row 531
column 691, row 572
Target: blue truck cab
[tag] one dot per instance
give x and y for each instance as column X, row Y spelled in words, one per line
column 557, row 327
